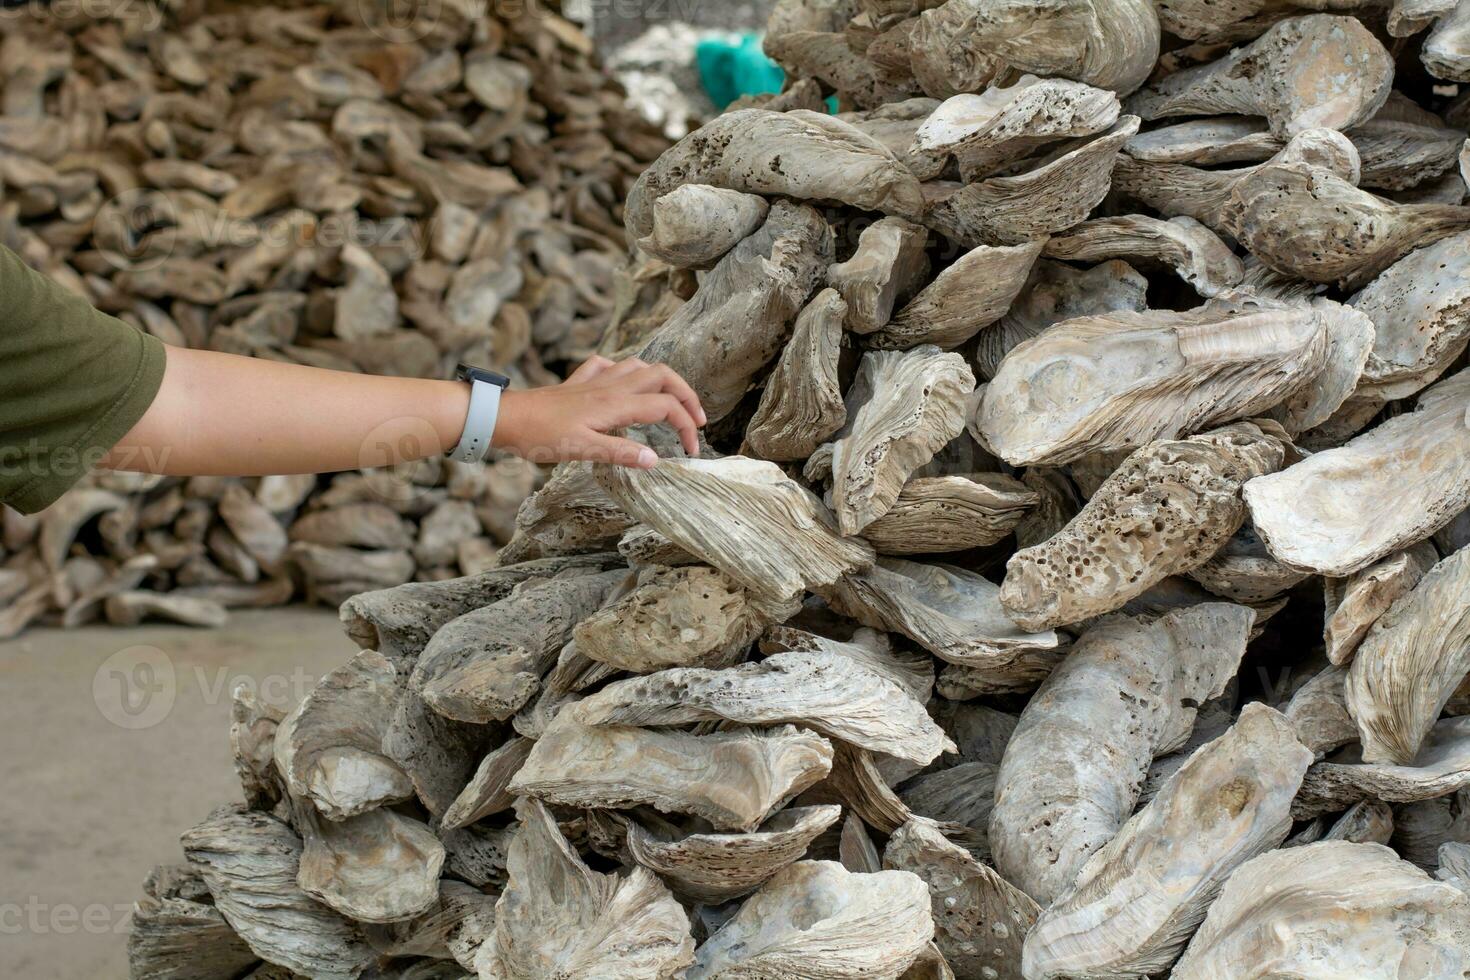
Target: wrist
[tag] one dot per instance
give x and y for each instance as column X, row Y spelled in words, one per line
column 452, row 403
column 509, row 425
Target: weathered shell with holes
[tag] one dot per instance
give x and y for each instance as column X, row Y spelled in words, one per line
column 1166, row 509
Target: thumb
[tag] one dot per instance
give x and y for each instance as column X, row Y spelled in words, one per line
column 602, row 448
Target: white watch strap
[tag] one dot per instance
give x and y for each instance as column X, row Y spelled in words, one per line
column 479, row 423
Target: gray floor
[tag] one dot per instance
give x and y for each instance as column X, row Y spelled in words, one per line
column 105, row 759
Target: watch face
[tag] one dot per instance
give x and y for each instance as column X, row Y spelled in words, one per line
column 468, row 372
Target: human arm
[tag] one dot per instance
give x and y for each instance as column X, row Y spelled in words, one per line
column 222, row 414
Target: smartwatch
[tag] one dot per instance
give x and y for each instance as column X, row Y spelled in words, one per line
column 479, row 423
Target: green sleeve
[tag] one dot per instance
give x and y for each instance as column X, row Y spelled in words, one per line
column 73, row 381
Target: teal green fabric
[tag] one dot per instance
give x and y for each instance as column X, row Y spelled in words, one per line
column 730, row 70
column 73, row 382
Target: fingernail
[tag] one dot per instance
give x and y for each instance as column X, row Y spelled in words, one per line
column 647, row 458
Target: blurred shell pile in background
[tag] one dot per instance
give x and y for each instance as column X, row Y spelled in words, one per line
column 360, row 185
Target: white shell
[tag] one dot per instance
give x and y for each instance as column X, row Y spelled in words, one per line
column 1341, row 510
column 814, row 918
column 1137, row 900
column 1126, row 689
column 1353, row 909
column 903, row 407
column 743, row 516
column 1121, row 380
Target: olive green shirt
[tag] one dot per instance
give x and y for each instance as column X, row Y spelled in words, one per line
column 73, row 381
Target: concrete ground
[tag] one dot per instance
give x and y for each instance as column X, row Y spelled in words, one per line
column 112, row 743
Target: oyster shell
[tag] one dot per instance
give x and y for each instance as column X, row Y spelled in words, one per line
column 1305, row 221
column 398, row 622
column 379, row 866
column 175, row 935
column 1137, row 899
column 1411, row 662
column 487, row 664
column 1208, row 196
column 1306, row 72
column 1446, row 51
column 1244, row 571
column 1419, row 308
column 733, row 779
column 1188, row 247
column 436, row 753
column 1128, row 685
column 954, row 614
column 903, row 407
column 486, row 792
column 815, row 918
column 1318, row 712
column 329, row 749
column 1120, row 380
column 980, row 920
column 797, row 154
column 695, row 224
column 802, row 404
column 965, row 45
column 911, row 670
column 963, row 794
column 1363, row 823
column 1373, row 510
column 714, row 868
column 690, row 616
column 559, row 918
column 1355, row 603
column 1055, row 292
column 832, row 694
column 1167, row 509
column 935, row 514
column 1054, row 196
column 986, row 131
column 751, row 521
column 1441, row 767
column 253, row 727
column 962, row 300
column 569, row 514
column 888, row 265
column 249, row 860
column 1297, row 910
column 763, row 281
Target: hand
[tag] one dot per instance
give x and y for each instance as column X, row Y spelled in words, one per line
column 572, row 420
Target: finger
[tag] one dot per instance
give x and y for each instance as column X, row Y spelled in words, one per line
column 622, row 369
column 660, row 378
column 675, row 385
column 664, row 408
column 589, row 369
column 600, row 448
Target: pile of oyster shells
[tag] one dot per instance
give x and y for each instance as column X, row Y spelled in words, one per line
column 365, row 186
column 1073, row 583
